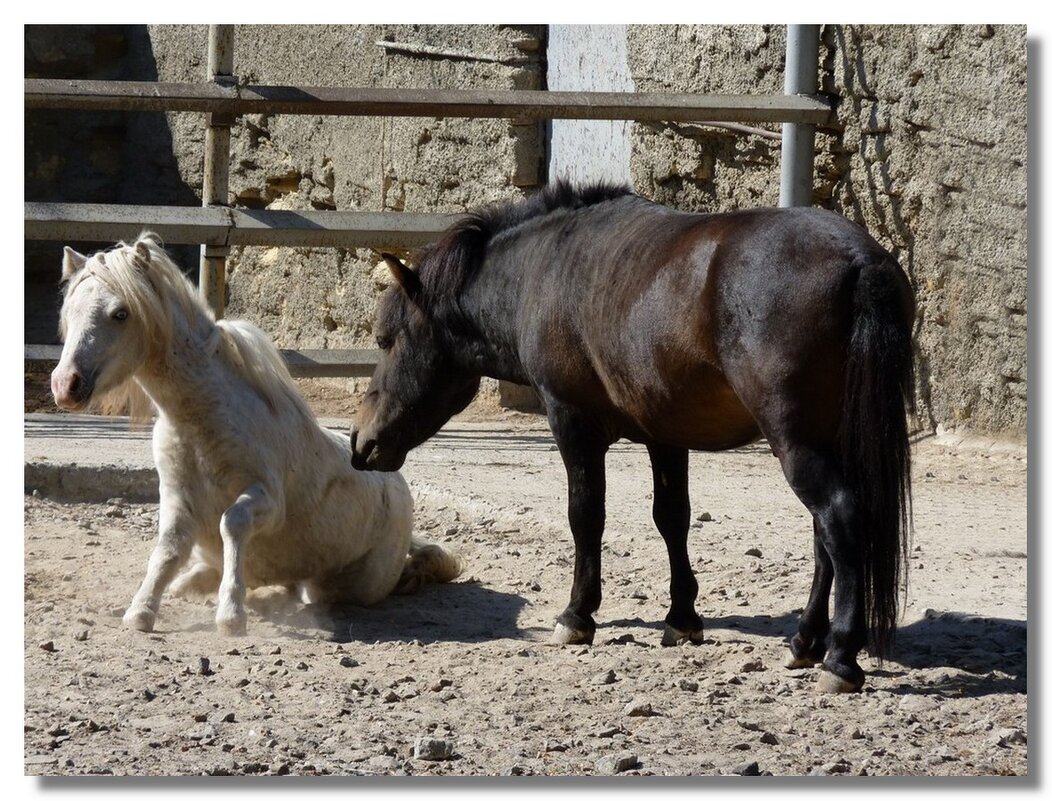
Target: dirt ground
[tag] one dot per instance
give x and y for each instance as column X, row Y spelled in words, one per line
column 459, row 680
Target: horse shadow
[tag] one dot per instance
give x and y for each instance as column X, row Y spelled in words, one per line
column 989, row 653
column 464, row 612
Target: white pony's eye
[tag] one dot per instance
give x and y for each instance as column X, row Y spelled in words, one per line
column 120, row 314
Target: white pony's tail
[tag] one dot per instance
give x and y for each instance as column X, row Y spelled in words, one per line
column 427, row 563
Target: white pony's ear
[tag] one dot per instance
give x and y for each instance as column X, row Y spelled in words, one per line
column 142, row 252
column 72, row 262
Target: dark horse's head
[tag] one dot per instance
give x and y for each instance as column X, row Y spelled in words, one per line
column 419, row 382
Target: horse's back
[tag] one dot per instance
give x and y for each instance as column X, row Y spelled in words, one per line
column 681, row 327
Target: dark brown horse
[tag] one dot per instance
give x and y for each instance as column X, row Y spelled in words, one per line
column 680, row 331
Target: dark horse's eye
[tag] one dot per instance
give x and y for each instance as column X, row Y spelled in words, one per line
column 120, row 314
column 383, row 343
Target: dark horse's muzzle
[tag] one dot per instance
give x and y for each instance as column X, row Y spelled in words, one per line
column 367, row 455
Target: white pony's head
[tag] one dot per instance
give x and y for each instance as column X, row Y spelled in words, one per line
column 117, row 313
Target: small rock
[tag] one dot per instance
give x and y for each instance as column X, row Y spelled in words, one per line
column 204, row 666
column 752, row 666
column 704, row 517
column 856, row 734
column 148, row 695
column 80, row 636
column 1003, row 737
column 754, row 552
column 348, row 662
column 748, row 769
column 48, row 646
column 391, row 697
column 607, row 677
column 228, row 717
column 768, row 738
column 433, row 749
column 441, row 684
column 689, row 685
column 638, row 708
column 301, row 666
column 617, row 763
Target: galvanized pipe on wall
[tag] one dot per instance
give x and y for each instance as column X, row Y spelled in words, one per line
column 798, row 140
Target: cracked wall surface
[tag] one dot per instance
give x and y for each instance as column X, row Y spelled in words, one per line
column 929, row 152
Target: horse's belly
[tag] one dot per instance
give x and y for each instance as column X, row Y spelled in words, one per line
column 704, row 416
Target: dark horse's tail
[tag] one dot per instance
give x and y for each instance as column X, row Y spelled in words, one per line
column 875, row 448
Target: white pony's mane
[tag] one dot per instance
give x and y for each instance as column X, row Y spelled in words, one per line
column 161, row 297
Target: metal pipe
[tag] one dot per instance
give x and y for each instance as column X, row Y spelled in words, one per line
column 798, row 139
column 212, row 275
column 532, row 104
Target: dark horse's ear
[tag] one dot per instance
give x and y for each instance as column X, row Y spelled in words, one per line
column 405, row 276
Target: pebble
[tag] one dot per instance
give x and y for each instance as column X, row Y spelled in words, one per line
column 754, row 552
column 768, row 738
column 80, row 636
column 689, row 685
column 639, row 708
column 704, row 517
column 48, row 646
column 1002, row 737
column 748, row 769
column 204, row 666
column 607, row 677
column 433, row 749
column 752, row 666
column 617, row 763
column 348, row 662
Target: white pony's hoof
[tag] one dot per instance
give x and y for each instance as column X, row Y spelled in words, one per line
column 672, row 636
column 829, row 682
column 139, row 619
column 233, row 626
column 564, row 635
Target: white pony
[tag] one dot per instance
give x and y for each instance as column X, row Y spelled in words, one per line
column 249, row 482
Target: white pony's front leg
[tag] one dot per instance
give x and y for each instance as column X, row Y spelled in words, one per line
column 174, row 541
column 255, row 509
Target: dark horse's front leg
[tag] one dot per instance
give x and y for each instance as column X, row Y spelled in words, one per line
column 583, row 450
column 672, row 517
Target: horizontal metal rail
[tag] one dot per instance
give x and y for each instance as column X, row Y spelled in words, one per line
column 224, row 227
column 351, row 363
column 41, row 93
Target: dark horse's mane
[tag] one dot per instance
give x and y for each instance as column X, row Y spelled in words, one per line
column 447, row 265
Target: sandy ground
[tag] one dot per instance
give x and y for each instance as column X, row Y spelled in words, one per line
column 462, row 674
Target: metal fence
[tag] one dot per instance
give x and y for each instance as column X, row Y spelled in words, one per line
column 217, row 227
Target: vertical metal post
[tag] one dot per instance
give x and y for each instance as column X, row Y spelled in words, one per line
column 212, row 277
column 798, row 141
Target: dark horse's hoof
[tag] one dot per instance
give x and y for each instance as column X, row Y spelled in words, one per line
column 832, row 683
column 573, row 629
column 673, row 636
column 842, row 679
column 564, row 635
column 805, row 653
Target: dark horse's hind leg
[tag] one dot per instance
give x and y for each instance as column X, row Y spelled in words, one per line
column 672, row 516
column 584, row 453
column 817, row 480
column 808, row 646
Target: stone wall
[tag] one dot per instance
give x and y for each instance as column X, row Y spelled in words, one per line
column 325, row 298
column 929, row 152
